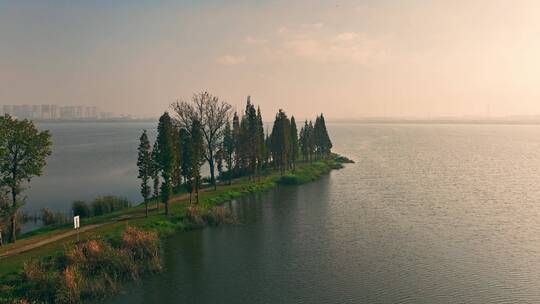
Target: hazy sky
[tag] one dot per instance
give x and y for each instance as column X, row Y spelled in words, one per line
column 347, row 59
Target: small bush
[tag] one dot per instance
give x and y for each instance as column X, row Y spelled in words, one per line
column 107, row 204
column 89, row 270
column 343, row 159
column 289, row 179
column 144, row 248
column 41, row 284
column 219, row 215
column 81, row 209
column 194, row 216
column 51, row 218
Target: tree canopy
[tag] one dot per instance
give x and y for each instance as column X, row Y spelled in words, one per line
column 23, row 153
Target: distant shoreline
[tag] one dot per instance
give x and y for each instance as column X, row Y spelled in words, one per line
column 356, row 121
column 119, row 120
column 439, row 121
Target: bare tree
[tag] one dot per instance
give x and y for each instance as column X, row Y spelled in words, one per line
column 213, row 115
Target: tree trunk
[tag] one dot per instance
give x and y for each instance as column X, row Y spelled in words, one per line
column 212, row 169
column 197, row 189
column 13, row 218
column 146, row 205
column 167, row 207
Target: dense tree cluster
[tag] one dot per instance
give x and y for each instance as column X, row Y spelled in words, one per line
column 314, row 140
column 202, row 131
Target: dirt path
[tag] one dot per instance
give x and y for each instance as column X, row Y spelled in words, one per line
column 12, row 249
column 20, row 249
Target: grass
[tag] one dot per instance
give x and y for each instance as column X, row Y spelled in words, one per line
column 87, row 270
column 183, row 216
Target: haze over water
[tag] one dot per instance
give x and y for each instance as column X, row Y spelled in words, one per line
column 428, row 214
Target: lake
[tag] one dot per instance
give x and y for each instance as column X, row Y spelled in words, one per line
column 428, row 214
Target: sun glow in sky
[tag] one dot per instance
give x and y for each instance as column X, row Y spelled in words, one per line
column 348, row 59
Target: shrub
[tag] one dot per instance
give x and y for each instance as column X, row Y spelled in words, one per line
column 41, row 284
column 289, row 179
column 343, row 159
column 144, row 248
column 81, row 209
column 89, row 270
column 50, row 218
column 194, row 216
column 219, row 215
column 107, row 204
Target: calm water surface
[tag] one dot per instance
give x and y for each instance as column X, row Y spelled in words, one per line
column 88, row 160
column 428, row 214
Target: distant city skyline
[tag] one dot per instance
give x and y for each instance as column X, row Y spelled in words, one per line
column 56, row 112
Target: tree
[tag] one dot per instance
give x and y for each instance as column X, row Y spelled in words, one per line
column 228, row 149
column 249, row 134
column 5, row 212
column 144, row 163
column 322, row 142
column 23, row 153
column 155, row 172
column 280, row 141
column 310, row 141
column 260, row 142
column 165, row 157
column 177, row 167
column 185, row 147
column 212, row 114
column 304, row 141
column 197, row 156
column 294, row 144
column 237, row 142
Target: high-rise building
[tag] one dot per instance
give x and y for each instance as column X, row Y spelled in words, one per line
column 35, row 112
column 53, row 112
column 7, row 109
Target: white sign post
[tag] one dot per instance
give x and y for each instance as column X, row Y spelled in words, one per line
column 77, row 225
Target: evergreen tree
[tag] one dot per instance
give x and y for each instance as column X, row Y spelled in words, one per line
column 197, row 156
column 155, row 173
column 267, row 150
column 304, row 133
column 310, row 141
column 144, row 163
column 280, row 141
column 177, row 167
column 237, row 141
column 322, row 142
column 186, row 154
column 294, row 144
column 228, row 149
column 250, row 137
column 325, row 138
column 165, row 157
column 261, row 147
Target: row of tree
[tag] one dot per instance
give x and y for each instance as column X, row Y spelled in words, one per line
column 201, row 132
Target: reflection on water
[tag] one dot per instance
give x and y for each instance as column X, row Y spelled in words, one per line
column 428, row 214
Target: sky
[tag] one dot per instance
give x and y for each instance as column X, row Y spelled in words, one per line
column 347, row 59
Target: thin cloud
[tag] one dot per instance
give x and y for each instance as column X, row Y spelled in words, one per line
column 231, row 60
column 347, row 36
column 255, row 41
column 317, row 25
column 326, row 48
